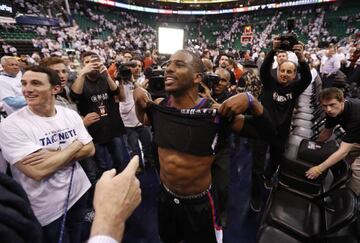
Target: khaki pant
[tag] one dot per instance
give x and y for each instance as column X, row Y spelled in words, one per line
column 354, row 158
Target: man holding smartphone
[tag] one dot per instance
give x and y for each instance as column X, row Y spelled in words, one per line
column 96, row 92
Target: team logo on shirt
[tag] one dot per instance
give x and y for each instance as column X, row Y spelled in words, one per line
column 282, row 98
column 99, row 97
column 61, row 137
column 212, row 112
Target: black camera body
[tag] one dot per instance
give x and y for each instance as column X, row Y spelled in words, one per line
column 156, row 81
column 288, row 40
column 123, row 70
column 209, row 79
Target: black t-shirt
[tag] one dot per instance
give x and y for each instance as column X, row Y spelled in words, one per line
column 280, row 100
column 222, row 97
column 349, row 119
column 97, row 97
column 191, row 131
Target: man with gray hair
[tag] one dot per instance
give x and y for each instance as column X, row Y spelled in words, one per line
column 10, row 86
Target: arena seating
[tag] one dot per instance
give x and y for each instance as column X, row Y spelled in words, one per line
column 301, row 210
column 337, row 26
column 298, row 210
column 84, row 22
column 23, row 46
column 214, row 28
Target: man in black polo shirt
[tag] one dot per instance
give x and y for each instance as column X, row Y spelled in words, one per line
column 347, row 114
column 95, row 93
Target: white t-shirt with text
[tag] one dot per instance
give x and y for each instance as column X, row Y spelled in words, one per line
column 23, row 133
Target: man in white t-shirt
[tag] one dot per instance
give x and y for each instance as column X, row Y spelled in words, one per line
column 42, row 143
column 135, row 130
column 10, row 86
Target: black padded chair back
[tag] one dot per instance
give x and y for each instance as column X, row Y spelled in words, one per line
column 341, row 174
column 316, row 152
column 269, row 234
column 292, row 174
column 311, row 220
column 340, row 209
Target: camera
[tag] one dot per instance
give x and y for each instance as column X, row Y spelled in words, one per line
column 209, row 79
column 288, row 40
column 123, row 70
column 156, row 81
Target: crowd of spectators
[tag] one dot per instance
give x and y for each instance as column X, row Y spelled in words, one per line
column 225, row 30
column 97, row 78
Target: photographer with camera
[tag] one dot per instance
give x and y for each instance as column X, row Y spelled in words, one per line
column 279, row 97
column 128, row 75
column 215, row 87
column 155, row 81
column 95, row 92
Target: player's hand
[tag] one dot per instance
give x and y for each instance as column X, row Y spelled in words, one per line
column 235, row 105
